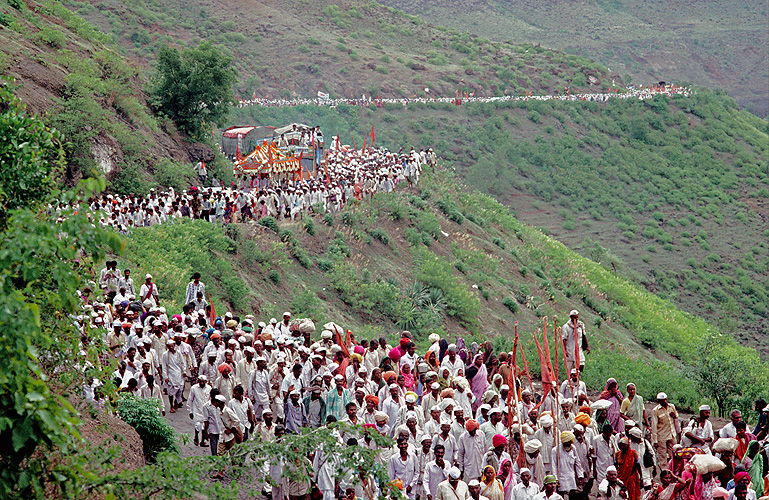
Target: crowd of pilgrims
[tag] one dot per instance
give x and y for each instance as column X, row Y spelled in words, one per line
column 465, row 423
column 348, row 175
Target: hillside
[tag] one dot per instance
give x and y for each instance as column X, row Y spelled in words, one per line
column 282, row 48
column 711, row 44
column 64, row 68
column 669, row 193
column 440, row 258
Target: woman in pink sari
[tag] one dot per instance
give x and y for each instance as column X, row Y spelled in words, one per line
column 479, row 379
column 408, row 375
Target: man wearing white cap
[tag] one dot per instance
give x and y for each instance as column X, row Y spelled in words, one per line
column 493, row 426
column 259, row 386
column 174, row 370
column 282, row 329
column 474, row 489
column 264, row 431
column 699, row 432
column 244, row 368
column 392, row 405
column 149, row 291
column 533, row 461
column 545, row 436
column 431, row 399
column 610, row 487
column 573, row 387
column 199, row 396
column 338, row 398
column 453, row 488
column 663, row 427
column 574, row 345
column 212, row 422
column 526, row 489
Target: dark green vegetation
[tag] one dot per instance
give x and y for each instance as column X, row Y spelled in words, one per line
column 712, row 44
column 346, row 49
column 46, row 255
column 386, row 265
column 669, row 193
column 67, row 70
column 193, row 88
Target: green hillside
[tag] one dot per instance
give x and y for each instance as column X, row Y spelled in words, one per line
column 669, row 193
column 721, row 45
column 67, row 70
column 440, row 258
column 282, row 48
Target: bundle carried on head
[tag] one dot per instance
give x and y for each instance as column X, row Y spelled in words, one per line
column 302, row 325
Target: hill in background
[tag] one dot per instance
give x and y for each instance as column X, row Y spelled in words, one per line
column 670, row 193
column 721, row 45
column 290, row 48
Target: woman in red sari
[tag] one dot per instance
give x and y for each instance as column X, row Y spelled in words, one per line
column 628, row 469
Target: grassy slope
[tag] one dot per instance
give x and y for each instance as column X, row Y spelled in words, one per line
column 297, row 48
column 358, row 269
column 638, row 167
column 713, row 44
column 675, row 190
column 66, row 69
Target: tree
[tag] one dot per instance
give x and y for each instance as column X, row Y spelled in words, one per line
column 30, row 155
column 193, row 87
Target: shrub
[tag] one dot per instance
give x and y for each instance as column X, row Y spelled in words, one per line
column 349, row 218
column 275, row 276
column 381, row 235
column 309, row 226
column 270, row 223
column 511, row 304
column 500, row 243
column 428, row 223
column 144, row 416
column 328, row 219
column 325, row 265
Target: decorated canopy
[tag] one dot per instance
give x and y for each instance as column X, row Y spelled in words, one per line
column 267, row 159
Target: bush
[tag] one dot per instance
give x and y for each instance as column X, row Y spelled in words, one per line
column 511, row 304
column 144, row 416
column 309, row 226
column 270, row 223
column 381, row 235
column 428, row 223
column 500, row 243
column 275, row 276
column 325, row 265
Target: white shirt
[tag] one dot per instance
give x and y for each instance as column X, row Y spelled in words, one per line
column 521, row 492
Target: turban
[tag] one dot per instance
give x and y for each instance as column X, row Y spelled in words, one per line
column 532, row 446
column 358, row 350
column 579, row 428
column 381, row 416
column 472, row 425
column 224, row 367
column 447, row 393
column 740, row 476
column 386, row 375
column 215, row 335
column 373, row 399
column 498, row 440
column 546, row 421
column 636, row 433
column 411, row 397
column 232, row 323
column 582, row 419
column 434, row 337
column 550, row 479
column 567, row 437
column 584, row 409
column 404, row 341
column 355, row 356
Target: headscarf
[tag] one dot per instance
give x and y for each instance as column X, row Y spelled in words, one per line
column 462, row 349
column 480, row 381
column 493, row 386
column 509, row 481
column 606, row 393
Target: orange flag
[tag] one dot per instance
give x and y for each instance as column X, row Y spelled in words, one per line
column 548, row 380
column 212, row 314
column 373, row 138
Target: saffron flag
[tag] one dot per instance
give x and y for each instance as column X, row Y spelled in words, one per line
column 373, row 139
column 212, row 313
column 548, row 380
